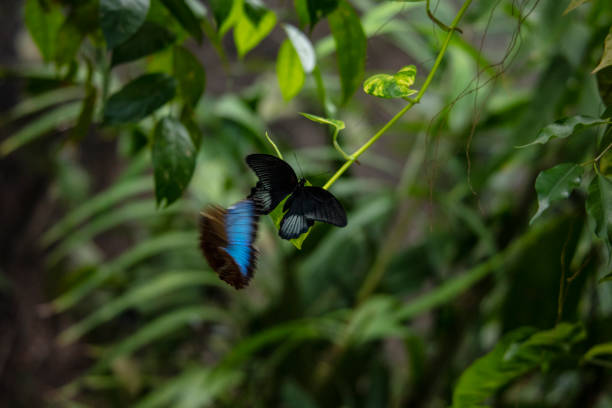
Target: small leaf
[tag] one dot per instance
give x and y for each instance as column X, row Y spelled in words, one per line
column 599, row 208
column 301, row 9
column 566, row 127
column 82, row 20
column 517, row 353
column 174, row 157
column 252, row 27
column 350, row 47
column 289, row 71
column 556, row 184
column 391, row 86
column 606, row 57
column 43, row 24
column 598, row 350
column 338, row 124
column 573, row 5
column 149, row 39
column 302, row 46
column 120, row 19
column 183, row 13
column 139, row 98
column 190, row 75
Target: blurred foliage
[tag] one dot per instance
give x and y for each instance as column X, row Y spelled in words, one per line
column 440, row 291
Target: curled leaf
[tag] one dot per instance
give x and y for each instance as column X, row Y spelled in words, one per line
column 391, row 86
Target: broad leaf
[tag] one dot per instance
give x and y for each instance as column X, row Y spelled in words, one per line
column 350, row 47
column 139, row 98
column 254, row 24
column 183, row 13
column 149, row 39
column 338, row 124
column 302, row 46
column 606, row 57
column 174, row 157
column 517, row 353
column 120, row 19
column 190, row 75
column 391, row 86
column 43, row 24
column 192, row 127
column 289, row 71
column 599, row 208
column 566, row 127
column 556, row 184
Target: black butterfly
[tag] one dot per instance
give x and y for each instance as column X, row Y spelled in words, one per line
column 305, row 205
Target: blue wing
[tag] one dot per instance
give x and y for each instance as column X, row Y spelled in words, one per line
column 241, row 227
column 226, row 240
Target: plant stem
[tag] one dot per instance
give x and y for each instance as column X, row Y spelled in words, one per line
column 411, row 103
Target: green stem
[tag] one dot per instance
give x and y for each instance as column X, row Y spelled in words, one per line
column 278, row 153
column 411, row 103
column 337, row 146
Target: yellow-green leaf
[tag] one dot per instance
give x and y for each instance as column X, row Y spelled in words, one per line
column 391, row 86
column 289, row 71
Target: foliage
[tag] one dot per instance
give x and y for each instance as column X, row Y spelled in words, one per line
column 443, row 288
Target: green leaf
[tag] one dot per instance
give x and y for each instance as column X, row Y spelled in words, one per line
column 302, row 46
column 318, row 9
column 301, row 9
column 338, row 124
column 606, row 278
column 599, row 208
column 573, row 5
column 556, row 184
column 566, row 127
column 517, row 353
column 47, row 122
column 171, row 241
column 350, row 47
column 289, row 71
column 604, row 85
column 120, row 19
column 192, row 127
column 190, row 75
column 606, row 57
column 225, row 13
column 160, row 328
column 253, row 25
column 174, row 158
column 183, row 13
column 101, row 202
column 139, row 98
column 43, row 20
column 599, row 350
column 139, row 295
column 82, row 20
column 149, row 39
column 391, row 86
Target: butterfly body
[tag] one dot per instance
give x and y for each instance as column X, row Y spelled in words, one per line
column 304, row 204
column 226, row 239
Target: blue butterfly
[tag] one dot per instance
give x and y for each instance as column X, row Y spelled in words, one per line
column 226, row 239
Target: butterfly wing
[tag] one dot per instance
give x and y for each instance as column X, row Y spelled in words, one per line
column 276, row 181
column 226, row 239
column 294, row 222
column 307, row 205
column 319, row 204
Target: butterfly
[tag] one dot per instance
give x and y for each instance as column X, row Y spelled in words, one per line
column 304, row 205
column 226, row 239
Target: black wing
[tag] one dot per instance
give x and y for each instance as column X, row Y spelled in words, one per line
column 276, row 181
column 319, row 204
column 294, row 222
column 307, row 205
